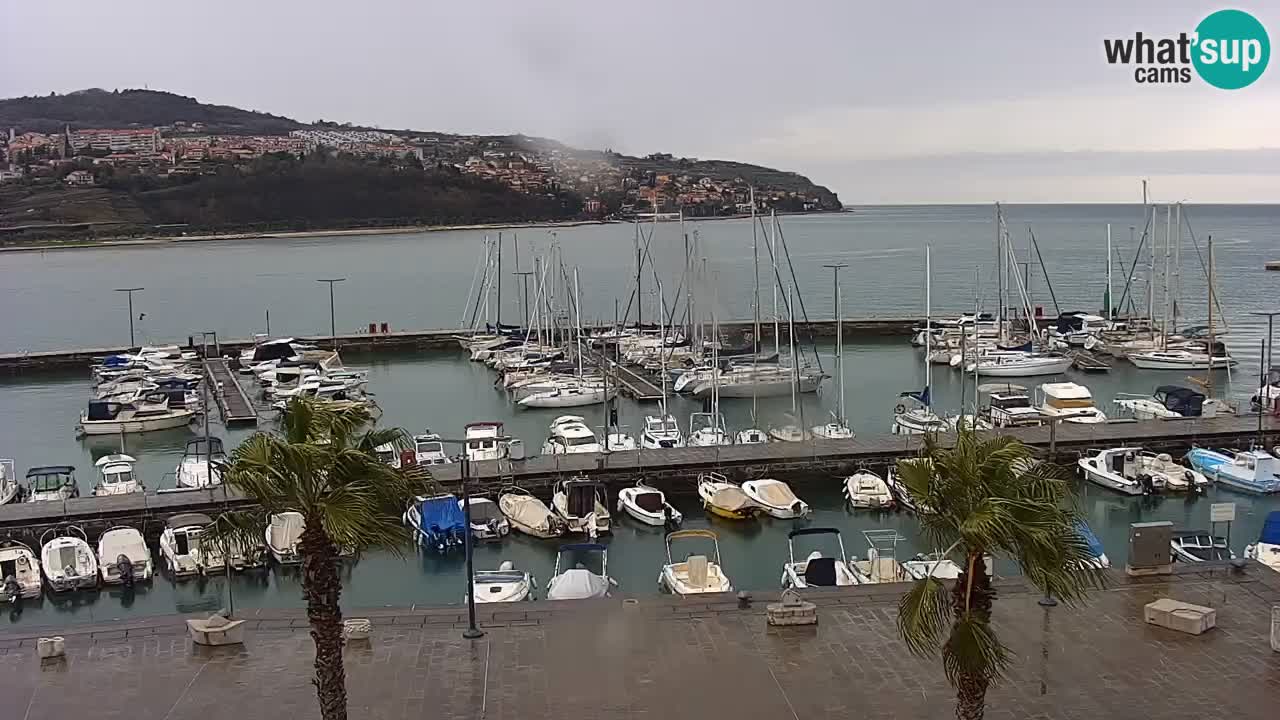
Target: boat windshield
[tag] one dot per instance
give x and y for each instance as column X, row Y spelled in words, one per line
column 483, row 512
column 67, row 556
column 117, row 476
column 669, row 425
column 386, row 456
column 1006, row 402
column 432, row 447
column 584, row 440
column 50, row 482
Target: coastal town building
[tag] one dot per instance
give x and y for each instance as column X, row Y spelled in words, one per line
column 142, row 141
column 78, row 178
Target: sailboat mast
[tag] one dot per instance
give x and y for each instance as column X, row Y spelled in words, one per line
column 1110, row 302
column 577, row 304
column 1177, row 264
column 662, row 350
column 499, row 311
column 999, row 280
column 1168, row 236
column 1151, row 271
column 1208, row 370
column 773, row 253
column 928, row 322
column 755, row 340
column 639, row 294
column 791, row 345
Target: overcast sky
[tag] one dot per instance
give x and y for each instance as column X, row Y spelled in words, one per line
column 904, row 102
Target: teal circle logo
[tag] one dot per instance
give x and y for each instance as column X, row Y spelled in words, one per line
column 1232, row 49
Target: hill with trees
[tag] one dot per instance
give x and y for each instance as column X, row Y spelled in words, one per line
column 96, row 108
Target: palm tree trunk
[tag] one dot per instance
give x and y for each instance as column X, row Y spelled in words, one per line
column 321, row 586
column 973, row 595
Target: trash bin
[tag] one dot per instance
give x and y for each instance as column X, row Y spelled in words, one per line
column 515, row 449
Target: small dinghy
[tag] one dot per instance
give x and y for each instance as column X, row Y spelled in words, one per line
column 648, row 505
column 932, row 565
column 437, row 522
column 487, row 522
column 776, row 498
column 180, row 544
column 116, row 476
column 19, row 571
column 816, row 570
column 1267, row 549
column 528, row 514
column 506, row 584
column 1199, row 546
column 577, row 582
column 866, row 489
column 67, row 561
column 696, row 574
column 123, row 557
column 725, row 499
column 580, row 502
column 283, row 534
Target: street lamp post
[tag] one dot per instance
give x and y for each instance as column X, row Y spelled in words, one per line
column 333, row 327
column 1265, row 360
column 130, row 292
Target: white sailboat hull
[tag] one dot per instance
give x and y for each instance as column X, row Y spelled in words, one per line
column 175, row 419
column 1040, row 366
column 1156, row 361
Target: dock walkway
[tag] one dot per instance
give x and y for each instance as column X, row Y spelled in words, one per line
column 232, row 400
column 634, row 384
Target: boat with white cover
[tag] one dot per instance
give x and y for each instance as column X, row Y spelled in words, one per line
column 725, row 499
column 1170, row 402
column 9, row 486
column 283, row 535
column 116, row 476
column 487, row 522
column 19, row 571
column 123, row 557
column 648, row 505
column 51, row 483
column 180, row 544
column 528, row 514
column 1068, row 402
column 200, row 466
column 569, row 435
column 817, row 570
column 67, row 560
column 776, row 498
column 1255, row 471
column 696, row 574
column 931, row 565
column 578, row 582
column 146, row 415
column 865, row 489
column 506, row 584
column 1267, row 549
column 582, row 503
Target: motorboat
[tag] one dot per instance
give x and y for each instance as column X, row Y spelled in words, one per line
column 661, row 431
column 1255, row 471
column 865, row 489
column 116, row 476
column 917, row 419
column 696, row 574
column 776, row 498
column 1009, row 406
column 817, row 570
column 1068, row 402
column 1181, row 360
column 583, row 505
column 1266, row 550
column 201, row 464
column 708, row 430
column 437, row 522
column 487, row 522
column 648, row 505
column 147, row 415
column 283, row 534
column 1016, row 364
column 931, row 565
column 751, row 436
column 180, row 544
column 9, row 485
column 123, row 557
column 429, row 450
column 881, row 565
column 1098, row 556
column 578, row 582
column 68, row 561
column 51, row 483
column 506, row 584
column 1134, row 471
column 485, row 441
column 569, row 435
column 19, row 571
column 1170, row 402
column 901, row 495
column 1199, row 546
column 725, row 499
column 528, row 514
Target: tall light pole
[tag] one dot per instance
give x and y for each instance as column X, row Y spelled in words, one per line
column 333, row 326
column 130, row 292
column 1263, row 371
column 472, row 632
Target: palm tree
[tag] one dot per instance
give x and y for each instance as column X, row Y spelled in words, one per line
column 985, row 497
column 321, row 465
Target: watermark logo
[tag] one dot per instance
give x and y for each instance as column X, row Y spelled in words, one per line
column 1229, row 50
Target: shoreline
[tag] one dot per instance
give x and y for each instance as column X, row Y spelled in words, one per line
column 150, row 241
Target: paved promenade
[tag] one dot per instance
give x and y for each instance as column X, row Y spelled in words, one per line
column 665, row 659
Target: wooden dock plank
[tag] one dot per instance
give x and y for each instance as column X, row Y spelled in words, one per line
column 231, row 398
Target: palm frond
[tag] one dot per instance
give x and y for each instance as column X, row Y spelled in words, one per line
column 923, row 613
column 974, row 649
column 234, row 528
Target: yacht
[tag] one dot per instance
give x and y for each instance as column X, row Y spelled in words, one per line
column 67, row 561
column 751, row 436
column 1182, row 359
column 575, row 393
column 1169, row 402
column 19, row 571
column 696, row 574
column 487, row 522
column 616, row 440
column 485, row 441
column 180, row 544
column 759, row 381
column 578, row 582
column 817, row 570
column 123, row 557
column 660, row 432
column 648, row 505
column 1068, row 402
column 201, row 464
column 725, row 499
column 1021, row 364
column 528, row 514
column 582, row 503
column 776, row 498
column 569, row 435
column 918, row 418
column 1266, row 550
column 429, row 450
column 1010, row 407
column 51, row 483
column 1133, row 471
column 116, row 476
column 145, row 415
column 1254, row 471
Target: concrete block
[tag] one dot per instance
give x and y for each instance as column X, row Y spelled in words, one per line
column 51, row 647
column 216, row 631
column 1181, row 616
column 1132, row 571
column 792, row 610
column 1275, row 628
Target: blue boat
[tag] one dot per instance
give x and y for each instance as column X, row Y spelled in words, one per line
column 1100, row 558
column 1267, row 549
column 437, row 522
column 1253, row 471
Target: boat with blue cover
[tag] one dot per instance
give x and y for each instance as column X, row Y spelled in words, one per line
column 1267, row 549
column 1255, row 471
column 1096, row 551
column 437, row 522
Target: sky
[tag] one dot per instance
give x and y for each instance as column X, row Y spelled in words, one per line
column 910, row 102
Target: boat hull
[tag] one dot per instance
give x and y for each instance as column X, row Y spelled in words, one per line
column 1105, row 479
column 116, row 427
column 1025, row 370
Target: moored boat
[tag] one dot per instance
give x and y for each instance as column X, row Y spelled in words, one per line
column 582, row 503
column 123, row 557
column 528, row 514
column 865, row 489
column 776, row 497
column 1267, row 549
column 648, row 505
column 67, row 561
column 1255, row 471
column 817, row 570
column 283, row 535
column 116, row 476
column 578, row 582
column 696, row 574
column 506, row 584
column 725, row 499
column 19, row 571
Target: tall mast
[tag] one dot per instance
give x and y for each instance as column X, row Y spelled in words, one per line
column 928, row 321
column 791, row 344
column 1110, row 302
column 773, row 253
column 1208, row 370
column 835, row 301
column 639, row 294
column 1151, row 271
column 662, row 350
column 1168, row 236
column 999, row 282
column 499, row 312
column 1177, row 264
column 755, row 341
column 577, row 304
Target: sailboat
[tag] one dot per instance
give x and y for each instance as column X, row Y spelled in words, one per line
column 837, row 429
column 707, row 429
column 754, row 435
column 662, row 430
column 792, row 431
column 920, row 418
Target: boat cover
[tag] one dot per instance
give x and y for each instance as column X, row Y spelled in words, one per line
column 1095, row 545
column 581, row 499
column 441, row 514
column 102, row 410
column 482, row 510
column 731, row 499
column 776, row 493
column 1184, row 401
column 650, row 501
column 1270, row 534
column 577, row 584
column 525, row 510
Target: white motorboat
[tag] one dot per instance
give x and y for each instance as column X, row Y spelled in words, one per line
column 708, row 430
column 881, row 565
column 1255, row 471
column 1133, row 471
column 751, row 436
column 760, row 381
column 485, row 441
column 1199, row 546
column 116, row 476
column 569, row 435
column 725, row 499
column 180, row 545
column 428, row 450
column 528, row 514
column 9, row 485
column 776, row 497
column 148, row 415
column 616, row 440
column 933, row 565
column 487, row 522
column 567, row 395
column 817, row 570
column 696, row 574
column 200, row 466
column 648, row 505
column 583, row 505
column 51, row 483
column 865, row 489
column 1266, row 550
column 123, row 557
column 919, row 419
column 661, row 431
column 68, row 561
column 578, row 582
column 19, row 571
column 282, row 535
column 1180, row 360
column 1009, row 406
column 506, row 584
column 1068, row 402
column 1017, row 364
column 1169, row 402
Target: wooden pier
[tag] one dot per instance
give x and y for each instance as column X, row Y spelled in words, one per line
column 145, row 511
column 232, row 400
column 633, row 383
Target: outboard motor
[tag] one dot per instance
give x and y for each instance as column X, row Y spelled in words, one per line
column 124, row 566
column 12, row 591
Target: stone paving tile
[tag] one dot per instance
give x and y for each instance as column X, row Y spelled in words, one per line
column 662, row 659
